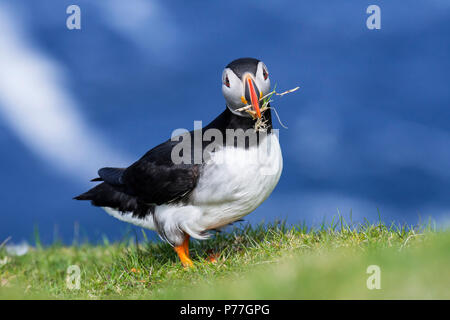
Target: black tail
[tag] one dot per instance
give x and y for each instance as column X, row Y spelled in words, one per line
column 81, row 197
column 106, row 195
column 112, row 176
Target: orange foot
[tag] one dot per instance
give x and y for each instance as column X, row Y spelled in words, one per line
column 183, row 253
column 212, row 257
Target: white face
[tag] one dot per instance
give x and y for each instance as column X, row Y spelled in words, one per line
column 234, row 88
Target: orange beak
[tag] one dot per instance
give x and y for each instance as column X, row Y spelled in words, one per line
column 253, row 96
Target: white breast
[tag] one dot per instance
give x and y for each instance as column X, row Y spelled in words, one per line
column 236, row 181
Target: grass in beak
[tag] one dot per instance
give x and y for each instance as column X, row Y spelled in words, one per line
column 261, row 123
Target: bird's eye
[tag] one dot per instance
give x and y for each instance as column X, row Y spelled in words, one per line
column 226, row 81
column 265, row 74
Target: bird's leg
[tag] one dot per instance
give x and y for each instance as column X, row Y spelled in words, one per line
column 183, row 253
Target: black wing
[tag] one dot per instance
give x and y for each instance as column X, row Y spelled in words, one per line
column 156, row 179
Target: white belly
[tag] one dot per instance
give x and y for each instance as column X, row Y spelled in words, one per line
column 236, row 181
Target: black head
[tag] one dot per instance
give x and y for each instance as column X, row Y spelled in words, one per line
column 245, row 81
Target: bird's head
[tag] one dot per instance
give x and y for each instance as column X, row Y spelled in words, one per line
column 245, row 81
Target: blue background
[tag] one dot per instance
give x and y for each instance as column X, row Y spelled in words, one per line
column 369, row 129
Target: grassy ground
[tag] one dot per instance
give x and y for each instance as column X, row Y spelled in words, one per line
column 265, row 262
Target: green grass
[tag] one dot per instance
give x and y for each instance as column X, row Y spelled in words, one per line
column 264, row 262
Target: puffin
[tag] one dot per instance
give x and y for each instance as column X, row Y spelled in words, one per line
column 201, row 181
